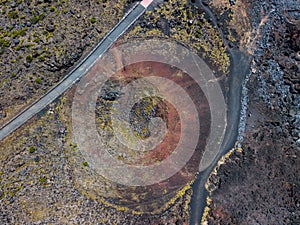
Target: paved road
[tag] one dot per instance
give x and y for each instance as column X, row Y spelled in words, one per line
column 239, row 67
column 79, row 71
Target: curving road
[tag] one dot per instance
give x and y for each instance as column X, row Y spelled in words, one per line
column 240, row 64
column 239, row 68
column 80, row 70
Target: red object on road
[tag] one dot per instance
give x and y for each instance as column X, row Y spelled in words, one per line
column 146, row 3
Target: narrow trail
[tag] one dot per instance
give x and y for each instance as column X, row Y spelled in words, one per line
column 79, row 71
column 240, row 64
column 239, row 68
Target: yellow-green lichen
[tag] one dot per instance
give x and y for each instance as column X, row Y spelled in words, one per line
column 194, row 31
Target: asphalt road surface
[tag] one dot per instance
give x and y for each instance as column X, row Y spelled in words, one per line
column 240, row 64
column 239, row 68
column 80, row 70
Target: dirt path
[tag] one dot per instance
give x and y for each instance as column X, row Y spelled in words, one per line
column 240, row 63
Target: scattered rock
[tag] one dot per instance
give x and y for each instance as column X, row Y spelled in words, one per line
column 298, row 56
column 27, row 64
column 50, row 28
column 13, row 4
column 37, row 159
column 16, row 41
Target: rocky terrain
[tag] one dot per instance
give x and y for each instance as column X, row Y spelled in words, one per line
column 44, row 179
column 259, row 184
column 41, row 40
column 187, row 23
column 40, row 185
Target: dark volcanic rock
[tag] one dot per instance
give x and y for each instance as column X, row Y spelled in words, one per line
column 261, row 184
column 50, row 28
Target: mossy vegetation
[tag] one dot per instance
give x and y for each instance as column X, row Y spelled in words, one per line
column 42, row 58
column 42, row 133
column 32, row 149
column 211, row 184
column 29, row 58
column 52, row 8
column 93, row 20
column 237, row 23
column 13, row 14
column 37, row 36
column 188, row 25
column 19, row 33
column 38, row 80
column 38, row 18
column 4, row 43
column 43, row 179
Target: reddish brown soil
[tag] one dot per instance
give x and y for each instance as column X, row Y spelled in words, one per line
column 261, row 184
column 150, row 196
